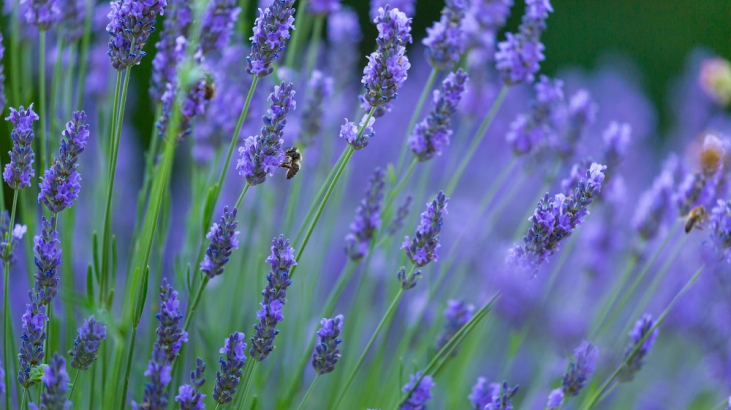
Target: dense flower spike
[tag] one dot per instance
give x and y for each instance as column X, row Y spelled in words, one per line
column 87, row 343
column 229, row 377
column 222, row 237
column 343, row 35
column 32, row 339
column 170, row 333
column 422, row 248
column 405, row 6
column 131, row 23
column 579, row 371
column 275, row 293
column 432, row 134
column 555, row 219
column 193, row 105
column 19, row 170
column 41, row 13
column 55, row 381
column 47, row 260
column 446, row 40
column 60, row 183
column 634, row 361
column 189, row 395
column 518, row 57
column 421, row 394
column 217, row 25
column 71, row 24
column 582, row 111
column 530, row 130
column 617, row 138
column 170, row 48
column 271, row 31
column 156, row 392
column 387, row 66
column 367, row 218
column 7, row 254
column 457, row 313
column 320, row 88
column 2, row 76
column 502, row 400
column 323, row 6
column 402, row 213
column 262, row 154
column 327, row 350
column 721, row 230
column 349, row 131
column 656, row 207
column 482, row 21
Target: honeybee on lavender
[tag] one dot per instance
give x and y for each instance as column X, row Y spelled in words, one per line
column 696, row 218
column 293, row 163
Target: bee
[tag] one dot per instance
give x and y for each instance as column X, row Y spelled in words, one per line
column 210, row 90
column 696, row 218
column 293, row 161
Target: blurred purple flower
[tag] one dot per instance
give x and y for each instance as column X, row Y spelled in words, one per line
column 720, row 225
column 41, row 13
column 71, row 23
column 502, row 400
column 530, row 130
column 457, row 313
column 217, row 25
column 343, row 34
column 2, row 76
column 581, row 369
column 55, row 381
column 482, row 393
column 405, row 6
column 518, row 57
column 367, row 218
column 327, row 350
column 555, row 399
column 421, row 394
column 320, row 88
column 15, row 234
column 634, row 361
column 402, row 213
column 170, row 48
column 323, row 6
column 482, row 21
column 617, row 138
column 445, row 41
column 656, row 207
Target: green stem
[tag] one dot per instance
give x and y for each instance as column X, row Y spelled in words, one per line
column 241, row 197
column 476, row 140
column 22, row 403
column 314, row 44
column 400, row 185
column 73, row 386
column 415, row 117
column 298, row 36
column 196, row 300
column 7, row 328
column 309, row 391
column 128, row 367
column 249, row 378
column 42, row 101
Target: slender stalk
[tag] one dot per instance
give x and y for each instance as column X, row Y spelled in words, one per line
column 127, row 368
column 298, row 36
column 22, row 403
column 249, row 377
column 309, row 391
column 7, row 328
column 400, row 185
column 196, row 300
column 73, row 386
column 415, row 117
column 314, row 44
column 241, row 197
column 457, row 176
column 42, row 102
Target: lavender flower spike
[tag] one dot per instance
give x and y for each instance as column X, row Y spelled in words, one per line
column 656, row 206
column 721, row 230
column 229, row 377
column 32, row 339
column 421, row 395
column 320, row 88
column 518, row 57
column 482, row 393
column 171, row 47
column 446, row 40
column 387, row 66
column 71, row 25
column 60, row 183
column 275, row 293
column 401, row 214
column 323, row 7
column 271, row 31
column 432, row 134
column 367, row 218
column 2, row 76
column 47, row 260
column 170, row 333
column 15, row 234
column 502, row 400
column 580, row 369
column 87, row 343
column 530, row 130
column 41, row 13
column 262, row 154
column 406, row 6
column 555, row 399
column 156, row 392
column 327, row 351
column 617, row 138
column 422, row 248
column 189, row 395
column 349, row 131
column 19, row 170
column 223, row 239
column 56, row 382
column 457, row 313
column 633, row 362
column 130, row 24
column 217, row 25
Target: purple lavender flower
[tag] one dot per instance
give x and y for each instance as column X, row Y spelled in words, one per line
column 41, row 13
column 130, row 25
column 20, row 168
column 60, row 183
column 402, row 213
column 387, row 66
column 405, row 6
column 518, row 57
column 193, row 105
column 156, row 392
column 482, row 393
column 421, row 394
column 432, row 134
column 720, row 224
column 502, row 400
column 170, row 333
column 445, row 41
column 2, row 379
column 47, row 260
column 86, row 344
column 275, row 293
column 2, row 76
column 349, row 131
column 229, row 377
column 14, row 235
column 582, row 111
column 555, row 219
column 170, row 48
column 408, row 281
column 581, row 369
column 72, row 19
column 367, row 218
column 271, row 31
column 323, row 6
column 656, row 207
column 320, row 88
column 327, row 350
column 262, row 154
column 217, row 25
column 634, row 361
column 617, row 138
column 343, row 34
column 457, row 313
column 555, row 399
column 533, row 129
column 223, row 239
column 484, row 18
column 56, row 385
column 32, row 339
column 422, row 248
column 189, row 395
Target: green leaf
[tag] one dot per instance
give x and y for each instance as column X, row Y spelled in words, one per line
column 90, row 285
column 391, row 174
column 133, row 294
column 208, row 207
column 142, row 298
column 95, row 253
column 37, row 372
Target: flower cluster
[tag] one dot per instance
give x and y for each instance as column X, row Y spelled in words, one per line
column 32, row 339
column 60, row 183
column 720, row 225
column 422, row 248
column 535, row 128
column 483, row 19
column 617, row 138
column 189, row 395
column 170, row 333
column 41, row 13
column 327, row 350
column 402, row 213
column 555, row 219
column 19, row 170
column 358, row 136
column 131, row 23
column 87, row 343
column 217, row 25
column 367, row 218
column 262, row 154
column 502, row 399
column 445, row 41
column 156, row 392
column 193, row 105
column 518, row 57
column 432, row 134
column 271, row 31
column 579, row 371
column 344, row 35
column 71, row 25
column 420, row 394
column 457, row 313
column 275, row 293
column 405, row 6
column 656, row 207
column 634, row 356
column 47, row 260
column 320, row 87
column 229, row 377
column 170, row 48
column 323, row 6
column 56, row 381
column 222, row 237
column 14, row 235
